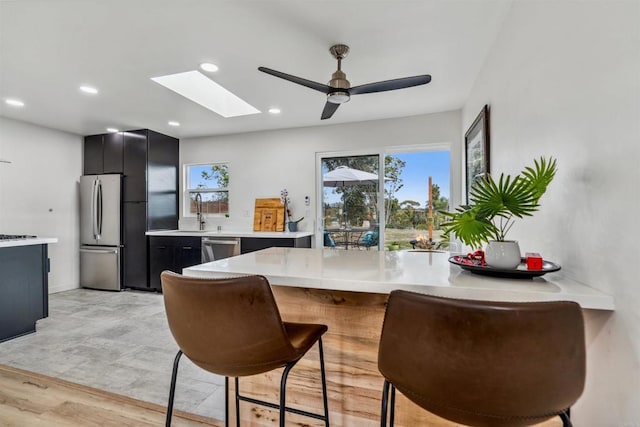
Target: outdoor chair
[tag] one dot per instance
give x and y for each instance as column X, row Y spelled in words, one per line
column 370, row 238
column 328, row 240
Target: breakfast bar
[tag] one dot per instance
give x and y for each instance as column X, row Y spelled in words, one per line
column 347, row 290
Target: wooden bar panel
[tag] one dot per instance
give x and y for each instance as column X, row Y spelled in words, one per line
column 351, row 352
column 354, row 384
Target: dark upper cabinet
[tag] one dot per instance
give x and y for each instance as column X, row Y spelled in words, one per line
column 103, row 153
column 151, row 175
column 93, row 159
column 112, row 150
column 135, row 166
column 162, row 181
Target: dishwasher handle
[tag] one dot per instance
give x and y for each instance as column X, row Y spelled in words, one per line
column 221, row 242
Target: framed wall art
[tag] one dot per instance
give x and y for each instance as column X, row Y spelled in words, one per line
column 476, row 142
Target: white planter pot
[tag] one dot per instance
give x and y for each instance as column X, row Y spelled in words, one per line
column 502, row 254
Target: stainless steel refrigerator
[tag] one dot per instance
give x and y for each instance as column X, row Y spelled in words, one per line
column 101, row 232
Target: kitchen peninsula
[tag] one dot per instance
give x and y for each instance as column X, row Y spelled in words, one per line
column 347, row 290
column 24, row 289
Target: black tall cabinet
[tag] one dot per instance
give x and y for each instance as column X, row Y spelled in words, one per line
column 150, row 197
column 148, row 162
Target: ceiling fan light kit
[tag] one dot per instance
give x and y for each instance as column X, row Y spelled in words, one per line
column 339, row 90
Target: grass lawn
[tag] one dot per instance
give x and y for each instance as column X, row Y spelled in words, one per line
column 404, row 236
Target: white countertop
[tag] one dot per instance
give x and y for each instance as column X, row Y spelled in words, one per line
column 231, row 233
column 28, row 242
column 382, row 272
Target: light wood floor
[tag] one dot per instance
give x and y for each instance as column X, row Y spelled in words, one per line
column 28, row 399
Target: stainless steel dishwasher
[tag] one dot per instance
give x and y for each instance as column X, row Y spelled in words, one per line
column 215, row 248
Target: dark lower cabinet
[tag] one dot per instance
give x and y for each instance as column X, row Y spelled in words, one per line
column 134, row 259
column 171, row 253
column 252, row 244
column 177, row 252
column 24, row 289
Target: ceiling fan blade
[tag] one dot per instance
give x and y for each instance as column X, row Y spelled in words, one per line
column 299, row 80
column 390, row 84
column 329, row 109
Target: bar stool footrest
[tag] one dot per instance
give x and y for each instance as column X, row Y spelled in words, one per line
column 286, row 408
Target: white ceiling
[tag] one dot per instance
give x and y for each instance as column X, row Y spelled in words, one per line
column 48, row 48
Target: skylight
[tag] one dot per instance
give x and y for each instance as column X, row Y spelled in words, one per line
column 200, row 89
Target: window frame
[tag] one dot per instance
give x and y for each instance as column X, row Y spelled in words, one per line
column 187, row 192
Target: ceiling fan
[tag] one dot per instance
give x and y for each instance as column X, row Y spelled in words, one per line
column 339, row 90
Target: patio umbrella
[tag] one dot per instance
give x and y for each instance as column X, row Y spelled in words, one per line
column 344, row 176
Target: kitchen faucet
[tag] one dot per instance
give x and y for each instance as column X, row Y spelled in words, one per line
column 199, row 214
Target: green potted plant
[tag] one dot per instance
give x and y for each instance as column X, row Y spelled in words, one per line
column 293, row 225
column 493, row 209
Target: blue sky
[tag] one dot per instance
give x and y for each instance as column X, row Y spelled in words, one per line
column 415, row 175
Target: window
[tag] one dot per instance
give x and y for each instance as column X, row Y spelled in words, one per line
column 211, row 181
column 409, row 222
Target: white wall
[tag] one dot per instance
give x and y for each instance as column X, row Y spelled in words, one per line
column 563, row 80
column 39, row 192
column 263, row 163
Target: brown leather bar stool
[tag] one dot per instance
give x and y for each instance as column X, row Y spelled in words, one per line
column 232, row 327
column 483, row 363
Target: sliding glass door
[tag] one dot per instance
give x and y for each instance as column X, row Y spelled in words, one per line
column 349, row 201
column 360, row 209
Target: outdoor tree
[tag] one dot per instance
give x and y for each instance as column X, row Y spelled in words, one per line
column 393, row 167
column 216, row 201
column 219, row 174
column 411, row 215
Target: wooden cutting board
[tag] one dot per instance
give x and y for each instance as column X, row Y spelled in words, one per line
column 268, row 215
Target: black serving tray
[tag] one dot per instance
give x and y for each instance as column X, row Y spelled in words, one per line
column 520, row 272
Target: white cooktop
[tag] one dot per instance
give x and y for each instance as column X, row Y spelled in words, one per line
column 27, row 241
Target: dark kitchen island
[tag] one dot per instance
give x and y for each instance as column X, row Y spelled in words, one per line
column 24, row 268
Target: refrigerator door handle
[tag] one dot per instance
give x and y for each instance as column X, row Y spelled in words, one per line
column 100, row 251
column 98, row 209
column 94, row 223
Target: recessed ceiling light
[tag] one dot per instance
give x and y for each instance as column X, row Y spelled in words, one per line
column 174, row 123
column 274, row 110
column 200, row 89
column 14, row 102
column 207, row 66
column 89, row 89
column 112, row 130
